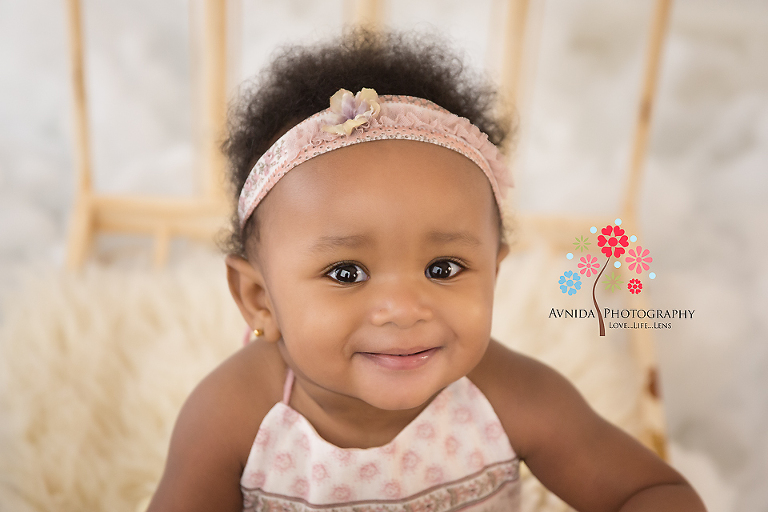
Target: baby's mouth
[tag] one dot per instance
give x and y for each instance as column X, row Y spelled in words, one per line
column 410, row 352
column 402, row 360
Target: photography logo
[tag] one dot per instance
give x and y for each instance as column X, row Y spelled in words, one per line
column 628, row 266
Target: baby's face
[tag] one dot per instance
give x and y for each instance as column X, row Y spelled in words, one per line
column 379, row 262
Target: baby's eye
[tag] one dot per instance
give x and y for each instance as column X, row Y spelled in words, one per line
column 347, row 273
column 443, row 269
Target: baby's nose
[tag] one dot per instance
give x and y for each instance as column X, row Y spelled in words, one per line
column 401, row 302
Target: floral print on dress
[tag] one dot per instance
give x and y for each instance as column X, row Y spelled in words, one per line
column 410, row 461
column 319, row 473
column 369, row 471
column 451, row 445
column 453, row 456
column 425, row 431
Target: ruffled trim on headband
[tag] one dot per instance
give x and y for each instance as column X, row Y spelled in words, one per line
column 397, row 119
column 395, row 115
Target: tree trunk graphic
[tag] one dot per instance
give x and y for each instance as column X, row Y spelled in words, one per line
column 594, row 299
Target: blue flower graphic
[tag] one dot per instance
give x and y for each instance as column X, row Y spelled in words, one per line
column 570, row 282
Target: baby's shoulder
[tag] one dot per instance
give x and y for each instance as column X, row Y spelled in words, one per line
column 527, row 395
column 215, row 430
column 506, row 374
column 228, row 405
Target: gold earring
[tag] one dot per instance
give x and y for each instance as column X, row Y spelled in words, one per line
column 258, row 333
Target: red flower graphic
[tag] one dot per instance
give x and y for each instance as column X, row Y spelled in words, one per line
column 639, row 259
column 588, row 265
column 634, row 286
column 614, row 243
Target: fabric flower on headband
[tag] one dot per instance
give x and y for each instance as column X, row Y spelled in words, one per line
column 352, row 110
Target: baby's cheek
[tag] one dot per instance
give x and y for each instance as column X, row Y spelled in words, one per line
column 480, row 295
column 316, row 327
column 469, row 317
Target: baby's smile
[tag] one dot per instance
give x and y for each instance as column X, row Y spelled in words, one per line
column 402, row 359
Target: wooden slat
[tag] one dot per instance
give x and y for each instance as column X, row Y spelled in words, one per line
column 514, row 37
column 189, row 217
column 81, row 223
column 80, row 114
column 81, row 231
column 652, row 410
column 658, row 31
column 368, row 13
column 162, row 246
column 214, row 71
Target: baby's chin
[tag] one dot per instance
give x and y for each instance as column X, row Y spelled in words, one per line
column 401, row 396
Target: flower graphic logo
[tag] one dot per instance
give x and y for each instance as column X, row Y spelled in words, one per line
column 570, row 282
column 638, row 259
column 588, row 265
column 612, row 241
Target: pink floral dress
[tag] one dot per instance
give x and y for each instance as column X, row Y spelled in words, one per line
column 453, row 456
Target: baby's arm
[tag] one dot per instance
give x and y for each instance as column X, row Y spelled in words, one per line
column 212, row 438
column 588, row 462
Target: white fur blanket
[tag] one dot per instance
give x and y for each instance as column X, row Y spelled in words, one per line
column 94, row 367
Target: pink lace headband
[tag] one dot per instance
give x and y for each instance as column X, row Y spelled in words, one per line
column 365, row 117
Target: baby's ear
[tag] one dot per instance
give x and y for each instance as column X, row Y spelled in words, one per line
column 503, row 251
column 246, row 284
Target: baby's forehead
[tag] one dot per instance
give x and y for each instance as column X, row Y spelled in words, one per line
column 389, row 165
column 383, row 181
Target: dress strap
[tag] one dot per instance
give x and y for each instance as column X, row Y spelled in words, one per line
column 247, row 335
column 287, row 387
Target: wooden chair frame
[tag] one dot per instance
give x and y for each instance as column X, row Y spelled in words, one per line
column 160, row 217
column 201, row 217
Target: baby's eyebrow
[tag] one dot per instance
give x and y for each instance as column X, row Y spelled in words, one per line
column 445, row 237
column 330, row 242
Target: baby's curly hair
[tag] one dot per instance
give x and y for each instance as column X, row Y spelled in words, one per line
column 301, row 79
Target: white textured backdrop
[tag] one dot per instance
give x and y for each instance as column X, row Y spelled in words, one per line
column 703, row 208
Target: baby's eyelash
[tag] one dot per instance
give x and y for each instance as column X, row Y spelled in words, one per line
column 452, row 259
